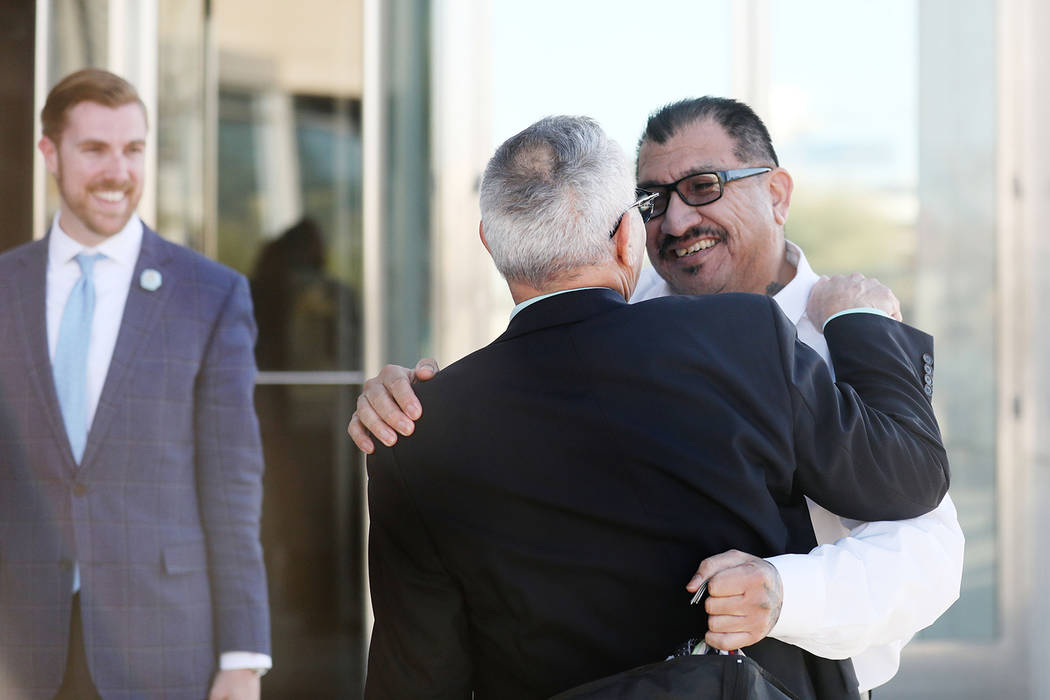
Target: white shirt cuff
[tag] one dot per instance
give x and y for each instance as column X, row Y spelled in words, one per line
column 802, row 578
column 233, row 660
column 858, row 310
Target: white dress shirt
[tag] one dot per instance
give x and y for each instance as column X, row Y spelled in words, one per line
column 869, row 587
column 112, row 281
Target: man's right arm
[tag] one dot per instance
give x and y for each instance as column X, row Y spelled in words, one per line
column 878, row 586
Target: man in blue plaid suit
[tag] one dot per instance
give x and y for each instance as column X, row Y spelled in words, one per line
column 130, row 460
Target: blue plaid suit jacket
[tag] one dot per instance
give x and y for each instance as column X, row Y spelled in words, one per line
column 163, row 514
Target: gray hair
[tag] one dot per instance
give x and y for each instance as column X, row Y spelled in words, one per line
column 550, row 197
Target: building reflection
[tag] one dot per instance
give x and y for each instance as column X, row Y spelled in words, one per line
column 307, row 319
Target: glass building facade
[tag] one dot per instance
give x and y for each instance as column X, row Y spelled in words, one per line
column 331, row 150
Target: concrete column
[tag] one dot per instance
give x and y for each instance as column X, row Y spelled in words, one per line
column 471, row 301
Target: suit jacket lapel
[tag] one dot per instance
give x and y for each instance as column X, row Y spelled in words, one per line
column 141, row 313
column 30, row 293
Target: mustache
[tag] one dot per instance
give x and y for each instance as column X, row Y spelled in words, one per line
column 696, row 232
column 120, row 185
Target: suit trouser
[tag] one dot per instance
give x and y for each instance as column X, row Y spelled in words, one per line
column 77, row 683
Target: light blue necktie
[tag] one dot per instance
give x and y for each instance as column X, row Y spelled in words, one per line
column 71, row 351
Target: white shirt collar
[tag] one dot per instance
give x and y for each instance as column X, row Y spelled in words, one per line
column 793, row 297
column 533, row 300
column 122, row 247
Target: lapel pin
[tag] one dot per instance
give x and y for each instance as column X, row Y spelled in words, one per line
column 150, row 280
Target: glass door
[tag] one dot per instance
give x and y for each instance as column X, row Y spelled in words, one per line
column 287, row 188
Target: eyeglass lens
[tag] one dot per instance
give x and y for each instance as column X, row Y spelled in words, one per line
column 646, row 210
column 695, row 190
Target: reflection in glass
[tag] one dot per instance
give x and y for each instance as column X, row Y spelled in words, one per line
column 306, row 278
column 311, row 538
column 307, row 319
column 289, row 217
column 288, row 158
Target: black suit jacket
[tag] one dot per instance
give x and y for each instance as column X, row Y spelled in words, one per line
column 538, row 528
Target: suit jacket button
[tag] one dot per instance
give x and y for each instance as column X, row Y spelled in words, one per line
column 80, row 489
column 929, row 379
column 929, row 390
column 927, row 368
column 927, row 358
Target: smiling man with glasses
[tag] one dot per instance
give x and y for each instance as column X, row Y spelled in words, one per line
column 718, row 226
column 537, row 529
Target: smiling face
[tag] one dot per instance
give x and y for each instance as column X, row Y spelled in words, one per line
column 98, row 163
column 735, row 244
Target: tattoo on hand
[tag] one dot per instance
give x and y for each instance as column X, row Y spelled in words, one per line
column 774, row 601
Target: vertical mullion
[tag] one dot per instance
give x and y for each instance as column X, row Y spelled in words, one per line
column 372, row 179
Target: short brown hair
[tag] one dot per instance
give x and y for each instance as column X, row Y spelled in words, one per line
column 87, row 85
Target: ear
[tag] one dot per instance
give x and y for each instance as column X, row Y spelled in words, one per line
column 481, row 234
column 624, row 240
column 50, row 151
column 780, row 187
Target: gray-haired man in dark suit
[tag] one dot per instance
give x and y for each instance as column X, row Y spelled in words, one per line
column 130, row 461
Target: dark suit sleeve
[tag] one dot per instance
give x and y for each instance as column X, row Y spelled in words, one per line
column 420, row 642
column 229, row 478
column 868, row 446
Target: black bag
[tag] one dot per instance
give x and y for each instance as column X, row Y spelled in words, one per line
column 700, row 676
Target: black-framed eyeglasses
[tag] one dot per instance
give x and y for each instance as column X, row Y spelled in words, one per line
column 698, row 189
column 645, row 207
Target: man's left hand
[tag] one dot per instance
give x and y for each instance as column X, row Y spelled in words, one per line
column 842, row 292
column 745, row 595
column 235, row 684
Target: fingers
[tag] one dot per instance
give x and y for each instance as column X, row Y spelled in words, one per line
column 379, row 415
column 712, row 565
column 745, row 596
column 360, row 436
column 388, row 405
column 730, row 641
column 425, row 369
column 831, row 295
column 235, row 684
column 393, row 399
column 896, row 313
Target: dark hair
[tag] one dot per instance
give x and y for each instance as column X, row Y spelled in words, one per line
column 740, row 122
column 88, row 85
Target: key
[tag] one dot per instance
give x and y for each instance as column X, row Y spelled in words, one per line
column 700, row 593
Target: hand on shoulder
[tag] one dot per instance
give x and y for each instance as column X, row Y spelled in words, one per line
column 388, row 406
column 830, row 295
